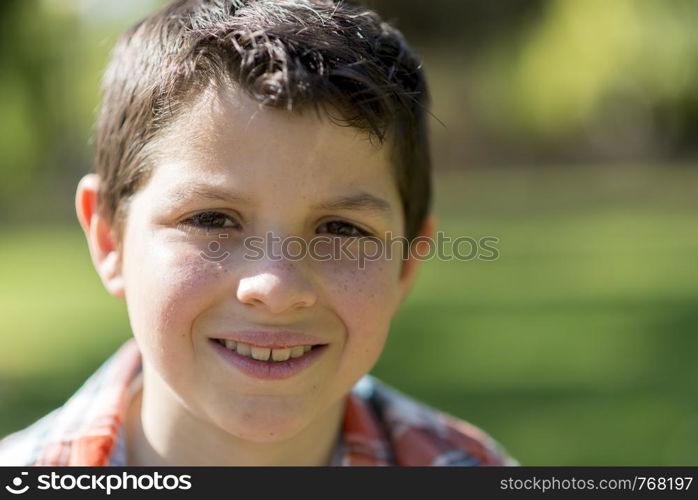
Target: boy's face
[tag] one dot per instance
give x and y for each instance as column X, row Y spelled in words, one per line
column 183, row 291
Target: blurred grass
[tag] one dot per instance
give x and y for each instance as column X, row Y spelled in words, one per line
column 577, row 346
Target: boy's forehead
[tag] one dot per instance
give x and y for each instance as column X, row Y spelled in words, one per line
column 224, row 135
column 220, row 117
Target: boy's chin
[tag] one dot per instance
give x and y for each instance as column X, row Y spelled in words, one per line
column 263, row 425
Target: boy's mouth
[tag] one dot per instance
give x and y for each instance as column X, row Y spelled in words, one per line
column 265, row 353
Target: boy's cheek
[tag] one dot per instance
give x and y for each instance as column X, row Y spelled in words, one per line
column 363, row 290
column 166, row 290
column 162, row 264
column 164, row 308
column 365, row 300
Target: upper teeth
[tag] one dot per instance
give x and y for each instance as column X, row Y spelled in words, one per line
column 264, row 353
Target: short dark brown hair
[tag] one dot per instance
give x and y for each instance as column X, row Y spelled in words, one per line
column 291, row 54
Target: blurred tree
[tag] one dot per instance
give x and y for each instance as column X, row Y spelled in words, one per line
column 51, row 56
column 621, row 74
column 21, row 134
column 466, row 25
column 38, row 130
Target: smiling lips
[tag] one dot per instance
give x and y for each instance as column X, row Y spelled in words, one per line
column 265, row 353
column 273, row 347
column 269, row 355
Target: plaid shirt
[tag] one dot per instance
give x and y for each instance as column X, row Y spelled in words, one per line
column 381, row 427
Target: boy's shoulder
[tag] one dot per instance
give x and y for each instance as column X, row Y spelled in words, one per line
column 22, row 448
column 408, row 432
column 85, row 429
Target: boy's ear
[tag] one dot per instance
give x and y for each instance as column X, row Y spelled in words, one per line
column 410, row 266
column 104, row 248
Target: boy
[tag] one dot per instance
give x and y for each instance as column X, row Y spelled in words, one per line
column 224, row 121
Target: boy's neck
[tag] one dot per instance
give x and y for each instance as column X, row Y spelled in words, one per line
column 163, row 433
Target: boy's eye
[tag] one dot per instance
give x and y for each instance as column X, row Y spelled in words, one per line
column 341, row 228
column 209, row 221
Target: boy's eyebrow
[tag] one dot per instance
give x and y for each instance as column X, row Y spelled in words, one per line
column 359, row 201
column 206, row 191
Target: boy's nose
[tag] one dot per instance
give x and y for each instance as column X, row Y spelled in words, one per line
column 278, row 287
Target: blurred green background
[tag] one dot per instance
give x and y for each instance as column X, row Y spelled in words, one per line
column 564, row 128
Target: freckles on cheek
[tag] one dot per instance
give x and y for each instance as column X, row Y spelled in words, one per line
column 364, row 297
column 363, row 300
